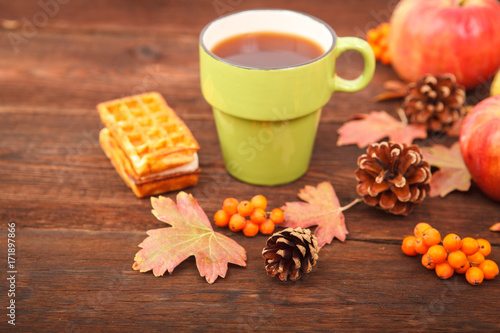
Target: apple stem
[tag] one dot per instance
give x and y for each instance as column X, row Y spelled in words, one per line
column 402, row 116
column 462, row 2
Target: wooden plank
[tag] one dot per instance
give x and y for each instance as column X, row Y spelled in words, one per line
column 128, row 16
column 94, row 70
column 79, row 280
column 78, row 225
column 116, row 64
column 70, row 169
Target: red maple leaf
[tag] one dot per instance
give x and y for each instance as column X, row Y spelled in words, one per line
column 322, row 208
column 366, row 129
column 191, row 234
column 452, row 174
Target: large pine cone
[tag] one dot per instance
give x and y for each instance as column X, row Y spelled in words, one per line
column 393, row 177
column 291, row 253
column 436, row 102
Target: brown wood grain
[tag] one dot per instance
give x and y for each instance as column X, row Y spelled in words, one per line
column 78, row 225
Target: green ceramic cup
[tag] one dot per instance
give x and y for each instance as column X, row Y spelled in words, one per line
column 267, row 118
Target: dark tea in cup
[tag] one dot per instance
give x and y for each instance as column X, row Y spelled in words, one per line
column 268, row 50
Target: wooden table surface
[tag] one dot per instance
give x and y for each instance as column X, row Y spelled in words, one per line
column 78, row 226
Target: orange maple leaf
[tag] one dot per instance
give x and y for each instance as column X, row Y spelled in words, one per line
column 495, row 227
column 366, row 129
column 191, row 234
column 322, row 208
column 452, row 174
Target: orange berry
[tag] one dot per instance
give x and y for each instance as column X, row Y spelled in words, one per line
column 372, row 36
column 457, row 259
column 469, row 246
column 383, row 43
column 408, row 246
column 427, row 263
column 259, row 201
column 452, row 242
column 250, row 229
column 463, row 269
column 245, row 208
column 267, row 227
column 378, row 39
column 431, row 237
column 377, row 51
column 437, row 254
column 420, row 228
column 474, row 276
column 444, row 270
column 230, row 206
column 476, row 259
column 221, row 218
column 236, row 222
column 489, row 268
column 258, row 216
column 420, row 246
column 384, row 28
column 277, row 215
column 484, row 247
column 386, row 58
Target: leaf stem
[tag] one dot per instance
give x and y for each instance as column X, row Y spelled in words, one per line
column 355, row 201
column 402, row 116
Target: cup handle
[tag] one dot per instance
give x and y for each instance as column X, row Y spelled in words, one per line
column 357, row 44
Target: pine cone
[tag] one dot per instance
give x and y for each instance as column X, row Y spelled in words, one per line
column 290, row 253
column 393, row 177
column 436, row 102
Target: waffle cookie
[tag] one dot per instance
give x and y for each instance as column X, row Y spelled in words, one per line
column 148, row 144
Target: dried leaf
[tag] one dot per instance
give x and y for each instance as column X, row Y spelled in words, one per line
column 495, row 227
column 322, row 208
column 191, row 234
column 396, row 89
column 457, row 126
column 367, row 129
column 389, row 95
column 452, row 174
column 455, row 129
column 395, row 85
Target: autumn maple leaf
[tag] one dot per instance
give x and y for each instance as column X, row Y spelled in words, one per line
column 366, row 129
column 322, row 208
column 495, row 227
column 452, row 174
column 191, row 234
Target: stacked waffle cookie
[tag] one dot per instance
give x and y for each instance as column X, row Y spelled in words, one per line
column 148, row 144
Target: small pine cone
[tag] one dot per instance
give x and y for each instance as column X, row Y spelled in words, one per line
column 436, row 102
column 393, row 177
column 291, row 253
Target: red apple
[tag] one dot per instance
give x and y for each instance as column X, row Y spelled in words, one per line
column 461, row 37
column 480, row 145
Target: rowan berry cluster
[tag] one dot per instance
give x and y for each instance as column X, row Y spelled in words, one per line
column 249, row 216
column 451, row 254
column 378, row 38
